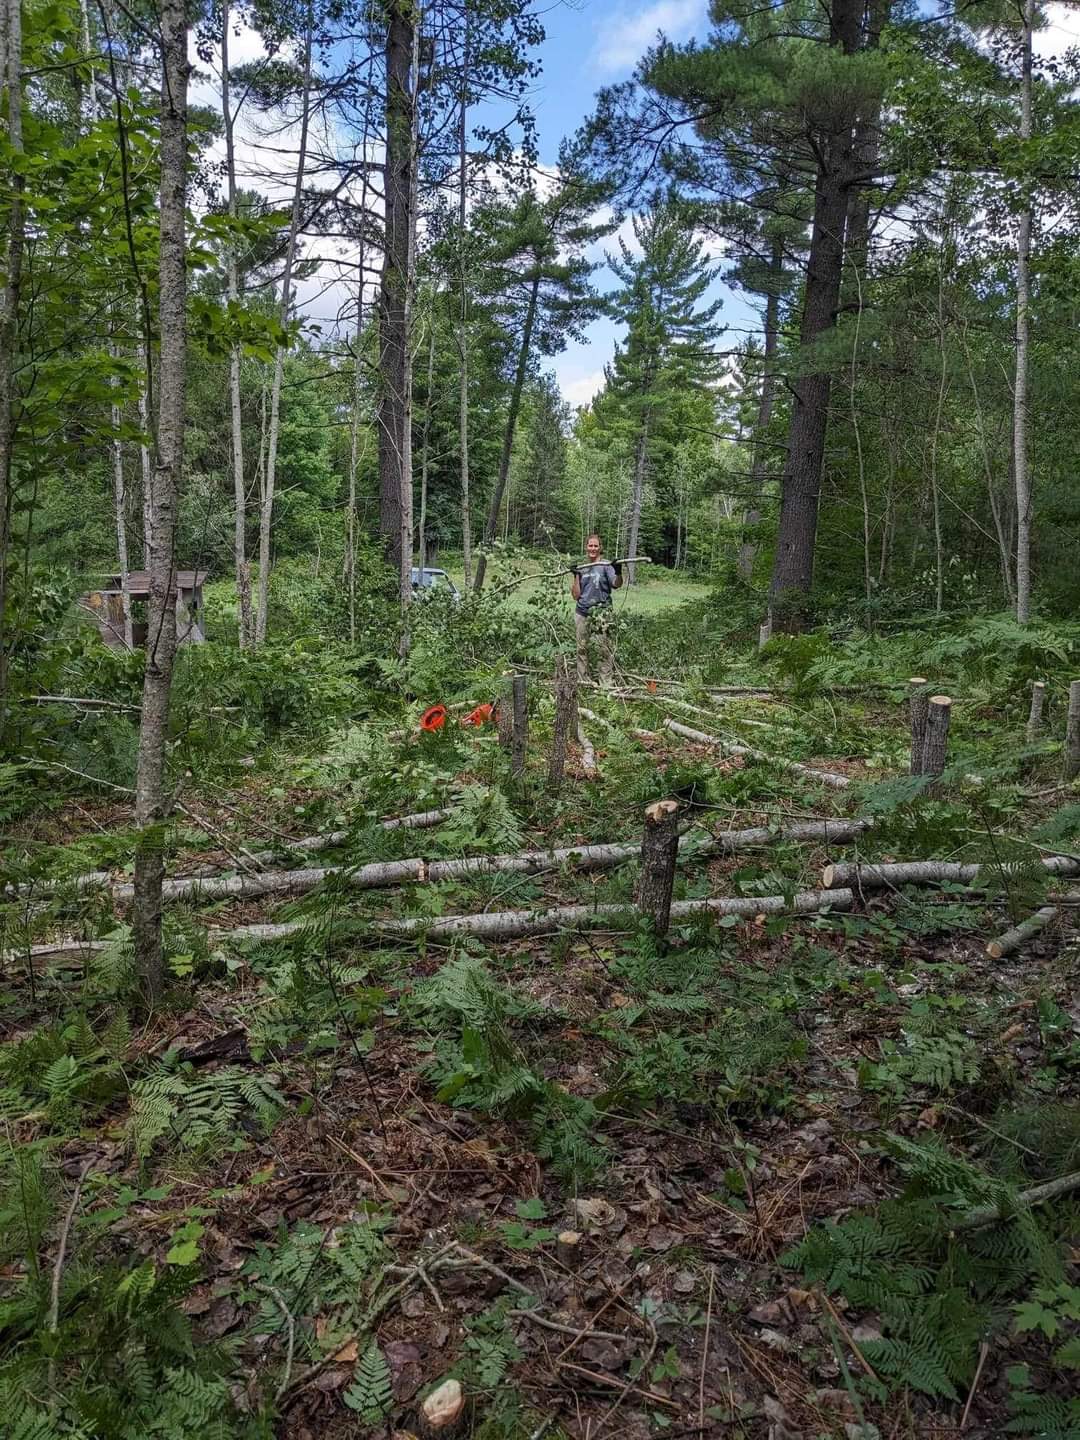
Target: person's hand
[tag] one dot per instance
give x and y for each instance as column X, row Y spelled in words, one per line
column 618, row 568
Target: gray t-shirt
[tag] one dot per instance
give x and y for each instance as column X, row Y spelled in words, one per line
column 596, row 581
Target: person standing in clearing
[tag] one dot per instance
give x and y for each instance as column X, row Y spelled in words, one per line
column 591, row 588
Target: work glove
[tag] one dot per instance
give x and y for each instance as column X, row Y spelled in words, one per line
column 618, row 568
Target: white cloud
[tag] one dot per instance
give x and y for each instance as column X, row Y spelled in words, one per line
column 625, row 35
column 582, row 389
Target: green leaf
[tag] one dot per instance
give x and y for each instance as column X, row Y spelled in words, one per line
column 533, row 1209
column 1033, row 1315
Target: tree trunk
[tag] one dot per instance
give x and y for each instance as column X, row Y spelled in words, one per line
column 793, row 566
column 266, row 515
column 748, row 544
column 1035, row 714
column 1020, row 388
column 240, row 561
column 936, row 742
column 425, row 450
column 927, row 872
column 918, row 705
column 119, row 508
column 150, row 798
column 354, row 428
column 640, row 462
column 659, row 852
column 394, row 411
column 9, row 319
column 1071, row 759
column 995, row 509
column 491, row 525
column 565, row 716
column 463, row 326
column 521, row 726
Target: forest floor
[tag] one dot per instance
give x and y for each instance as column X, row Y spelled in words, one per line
column 729, row 1185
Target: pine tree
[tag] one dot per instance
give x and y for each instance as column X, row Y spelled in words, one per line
column 667, row 353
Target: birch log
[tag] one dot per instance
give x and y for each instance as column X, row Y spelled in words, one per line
column 1071, row 766
column 1035, row 714
column 918, row 701
column 929, row 872
column 1027, row 929
column 659, row 851
column 508, row 924
column 825, row 777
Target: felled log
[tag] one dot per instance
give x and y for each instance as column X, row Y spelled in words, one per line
column 826, row 777
column 659, row 851
column 1027, row 929
column 928, row 872
column 509, row 924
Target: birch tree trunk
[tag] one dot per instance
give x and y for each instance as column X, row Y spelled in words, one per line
column 266, row 515
column 748, row 545
column 150, row 798
column 146, row 469
column 394, row 412
column 492, row 524
column 9, row 318
column 1020, row 387
column 242, row 568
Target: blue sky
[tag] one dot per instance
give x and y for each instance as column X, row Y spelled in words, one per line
column 591, row 43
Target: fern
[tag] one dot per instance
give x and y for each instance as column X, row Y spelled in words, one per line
column 370, row 1393
column 482, row 821
column 199, row 1110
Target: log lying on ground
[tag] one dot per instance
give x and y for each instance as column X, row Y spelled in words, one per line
column 1027, row 929
column 826, row 777
column 927, row 872
column 509, row 924
column 308, row 844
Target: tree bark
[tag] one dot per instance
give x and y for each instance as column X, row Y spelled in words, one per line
column 394, row 410
column 150, row 797
column 491, row 525
column 793, row 565
column 1020, row 387
column 1035, row 714
column 9, row 317
column 463, row 323
column 659, row 852
column 927, row 872
column 1071, row 765
column 119, row 508
column 240, row 560
column 918, row 704
column 565, row 715
column 936, row 741
column 508, row 924
column 748, row 545
column 266, row 515
column 521, row 726
column 1027, row 929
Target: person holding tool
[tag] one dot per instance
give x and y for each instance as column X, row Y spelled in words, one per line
column 591, row 587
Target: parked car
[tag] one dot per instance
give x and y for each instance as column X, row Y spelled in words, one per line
column 425, row 582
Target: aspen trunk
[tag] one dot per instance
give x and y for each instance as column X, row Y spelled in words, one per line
column 266, row 515
column 146, row 468
column 491, row 525
column 752, row 519
column 565, row 712
column 394, row 409
column 463, row 322
column 504, row 717
column 240, row 560
column 1035, row 714
column 9, row 318
column 936, row 743
column 918, row 704
column 1020, row 934
column 150, row 796
column 659, row 851
column 521, row 726
column 1071, row 765
column 120, row 519
column 1020, row 386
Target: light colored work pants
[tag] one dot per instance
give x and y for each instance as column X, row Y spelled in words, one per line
column 599, row 627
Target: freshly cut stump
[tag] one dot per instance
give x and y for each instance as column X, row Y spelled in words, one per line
column 659, row 851
column 918, row 702
column 443, row 1410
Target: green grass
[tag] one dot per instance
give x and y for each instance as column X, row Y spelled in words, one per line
column 654, row 590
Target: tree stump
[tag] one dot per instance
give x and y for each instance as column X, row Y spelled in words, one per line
column 764, row 632
column 504, row 718
column 521, row 727
column 938, row 711
column 918, row 700
column 1035, row 714
column 659, row 848
column 1071, row 767
column 441, row 1414
column 565, row 719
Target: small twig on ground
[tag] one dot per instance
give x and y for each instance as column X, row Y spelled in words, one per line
column 290, row 1344
column 53, row 1322
column 577, row 1331
column 984, row 1350
column 847, row 1335
column 364, row 1165
column 631, row 1389
column 705, row 1350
